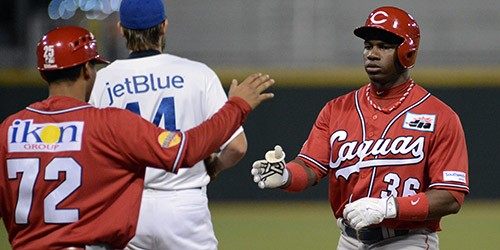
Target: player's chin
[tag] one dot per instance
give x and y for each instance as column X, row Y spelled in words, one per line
column 378, row 78
column 375, row 76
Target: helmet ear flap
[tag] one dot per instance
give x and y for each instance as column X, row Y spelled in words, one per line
column 407, row 55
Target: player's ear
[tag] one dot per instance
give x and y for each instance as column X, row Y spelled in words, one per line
column 164, row 26
column 120, row 28
column 87, row 69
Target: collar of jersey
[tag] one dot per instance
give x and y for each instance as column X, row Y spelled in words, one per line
column 143, row 53
column 58, row 104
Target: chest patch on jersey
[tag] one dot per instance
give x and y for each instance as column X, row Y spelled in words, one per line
column 420, row 122
column 454, row 176
column 169, row 139
column 27, row 136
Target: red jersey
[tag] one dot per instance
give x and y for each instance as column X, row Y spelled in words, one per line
column 72, row 175
column 369, row 153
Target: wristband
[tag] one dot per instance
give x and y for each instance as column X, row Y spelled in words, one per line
column 413, row 208
column 298, row 177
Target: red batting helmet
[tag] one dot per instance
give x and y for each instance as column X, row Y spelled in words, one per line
column 399, row 23
column 65, row 47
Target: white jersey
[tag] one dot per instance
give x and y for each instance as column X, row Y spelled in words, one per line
column 172, row 92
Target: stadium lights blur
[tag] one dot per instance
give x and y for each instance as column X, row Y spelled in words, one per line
column 93, row 9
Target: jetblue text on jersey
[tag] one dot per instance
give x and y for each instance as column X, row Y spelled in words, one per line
column 140, row 84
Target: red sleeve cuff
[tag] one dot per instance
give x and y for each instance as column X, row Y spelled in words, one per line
column 298, row 177
column 242, row 104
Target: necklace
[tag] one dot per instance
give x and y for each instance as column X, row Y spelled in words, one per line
column 395, row 105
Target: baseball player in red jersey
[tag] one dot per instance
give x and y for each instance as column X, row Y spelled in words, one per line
column 174, row 93
column 72, row 175
column 395, row 155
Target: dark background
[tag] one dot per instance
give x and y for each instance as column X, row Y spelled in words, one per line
column 288, row 118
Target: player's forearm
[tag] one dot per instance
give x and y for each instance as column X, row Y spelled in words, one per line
column 441, row 203
column 232, row 154
column 211, row 134
column 432, row 204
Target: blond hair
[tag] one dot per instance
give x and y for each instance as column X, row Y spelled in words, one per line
column 146, row 39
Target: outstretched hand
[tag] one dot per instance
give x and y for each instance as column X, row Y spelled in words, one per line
column 251, row 89
column 271, row 172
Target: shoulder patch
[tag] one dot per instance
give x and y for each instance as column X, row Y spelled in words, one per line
column 421, row 122
column 168, row 139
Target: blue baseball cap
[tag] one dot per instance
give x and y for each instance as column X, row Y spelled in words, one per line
column 141, row 14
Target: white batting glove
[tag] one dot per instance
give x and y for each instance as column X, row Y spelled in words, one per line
column 271, row 172
column 369, row 211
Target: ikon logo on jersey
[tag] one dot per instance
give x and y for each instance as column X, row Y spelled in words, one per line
column 27, row 136
column 421, row 122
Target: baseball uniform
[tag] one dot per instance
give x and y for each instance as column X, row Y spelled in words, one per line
column 174, row 93
column 395, row 155
column 366, row 152
column 72, row 174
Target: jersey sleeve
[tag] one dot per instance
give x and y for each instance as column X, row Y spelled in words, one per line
column 316, row 150
column 215, row 97
column 142, row 143
column 97, row 91
column 211, row 134
column 448, row 159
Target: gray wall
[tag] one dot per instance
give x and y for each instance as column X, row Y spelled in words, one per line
column 319, row 32
column 303, row 33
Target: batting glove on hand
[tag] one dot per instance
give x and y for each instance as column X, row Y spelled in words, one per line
column 271, row 172
column 369, row 211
